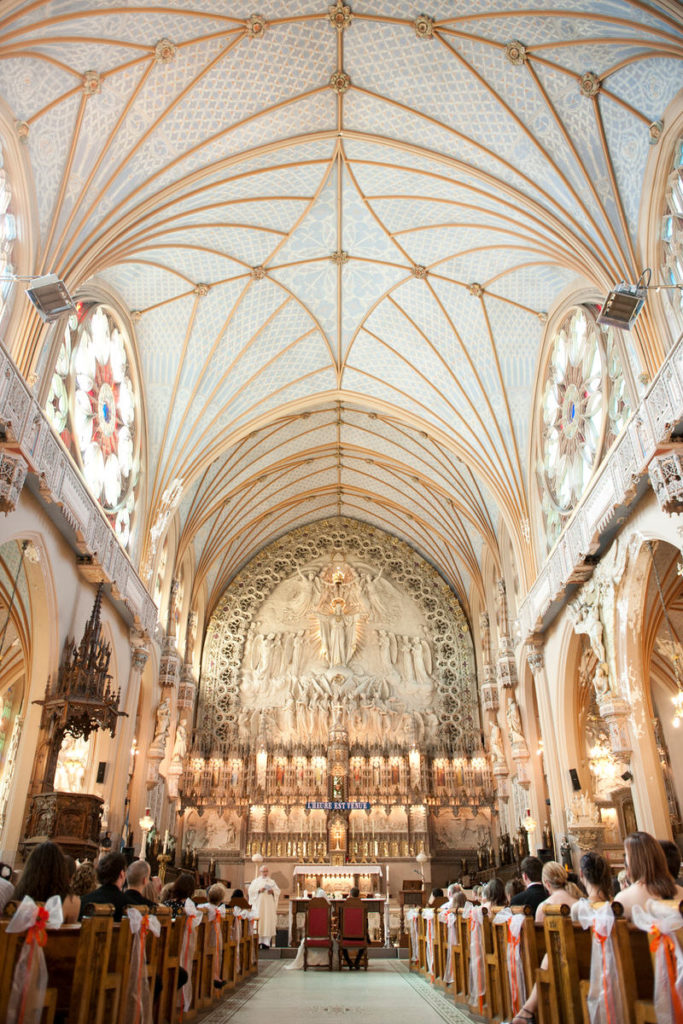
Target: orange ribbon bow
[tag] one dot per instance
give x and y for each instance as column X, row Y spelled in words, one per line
column 658, row 939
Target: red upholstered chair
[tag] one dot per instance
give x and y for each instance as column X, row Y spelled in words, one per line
column 353, row 934
column 318, row 931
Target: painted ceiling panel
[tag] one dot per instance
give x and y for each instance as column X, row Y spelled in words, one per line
column 322, row 357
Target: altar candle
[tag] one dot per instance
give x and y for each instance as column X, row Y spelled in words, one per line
column 165, row 841
column 387, row 879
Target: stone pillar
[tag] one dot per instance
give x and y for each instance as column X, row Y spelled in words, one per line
column 124, row 765
column 489, row 688
column 508, row 683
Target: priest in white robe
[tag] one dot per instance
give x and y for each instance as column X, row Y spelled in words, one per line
column 263, row 896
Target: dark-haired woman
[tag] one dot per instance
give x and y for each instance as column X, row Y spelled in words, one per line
column 181, row 890
column 46, row 874
column 648, row 873
column 597, row 879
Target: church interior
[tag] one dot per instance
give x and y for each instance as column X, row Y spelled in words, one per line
column 341, row 419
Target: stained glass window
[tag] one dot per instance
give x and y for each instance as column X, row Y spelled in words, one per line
column 7, row 236
column 93, row 404
column 672, row 233
column 585, row 406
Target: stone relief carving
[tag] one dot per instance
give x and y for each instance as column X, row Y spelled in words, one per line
column 212, row 831
column 338, row 614
column 666, row 477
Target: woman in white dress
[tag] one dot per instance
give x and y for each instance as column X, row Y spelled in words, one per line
column 316, row 957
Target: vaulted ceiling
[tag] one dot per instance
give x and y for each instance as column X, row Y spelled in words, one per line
column 339, row 229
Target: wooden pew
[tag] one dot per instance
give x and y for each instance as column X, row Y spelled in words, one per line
column 569, row 958
column 461, row 961
column 437, row 944
column 635, row 966
column 166, row 1007
column 77, row 959
column 229, row 968
column 496, row 968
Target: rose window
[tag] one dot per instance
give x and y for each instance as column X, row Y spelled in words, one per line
column 7, row 236
column 672, row 234
column 586, row 404
column 93, row 405
column 573, row 412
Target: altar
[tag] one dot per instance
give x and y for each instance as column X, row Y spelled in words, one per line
column 337, row 880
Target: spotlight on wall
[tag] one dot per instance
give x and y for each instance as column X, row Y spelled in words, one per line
column 624, row 303
column 50, row 297
column 627, row 776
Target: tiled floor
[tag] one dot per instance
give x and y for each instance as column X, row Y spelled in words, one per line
column 387, row 994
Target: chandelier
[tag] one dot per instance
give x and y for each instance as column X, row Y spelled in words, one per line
column 602, row 763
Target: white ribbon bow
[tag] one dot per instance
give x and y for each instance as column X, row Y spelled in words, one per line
column 477, row 985
column 515, row 923
column 138, row 1001
column 661, row 923
column 29, row 981
column 193, row 918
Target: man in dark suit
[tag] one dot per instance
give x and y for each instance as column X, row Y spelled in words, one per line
column 535, row 892
column 137, row 877
column 111, row 874
column 354, row 964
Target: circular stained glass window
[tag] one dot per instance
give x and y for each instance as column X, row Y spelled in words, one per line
column 672, row 234
column 573, row 410
column 94, row 406
column 585, row 406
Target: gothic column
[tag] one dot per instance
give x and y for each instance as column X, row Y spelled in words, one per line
column 507, row 684
column 490, row 704
column 536, row 659
column 121, row 788
column 187, row 690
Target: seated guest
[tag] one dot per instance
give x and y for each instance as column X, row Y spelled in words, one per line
column 84, row 879
column 456, row 897
column 354, row 894
column 137, row 877
column 673, row 858
column 111, row 874
column 152, row 889
column 6, row 887
column 648, row 874
column 595, row 875
column 46, row 875
column 237, row 894
column 218, row 894
column 493, row 894
column 436, row 894
column 534, row 893
column 181, row 890
column 554, row 878
column 513, row 886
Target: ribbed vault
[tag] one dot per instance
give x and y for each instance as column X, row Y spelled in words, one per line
column 339, row 242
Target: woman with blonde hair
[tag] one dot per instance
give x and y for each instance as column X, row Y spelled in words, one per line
column 558, row 885
column 555, row 880
column 648, row 873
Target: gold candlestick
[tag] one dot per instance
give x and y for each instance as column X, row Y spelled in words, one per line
column 163, row 859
